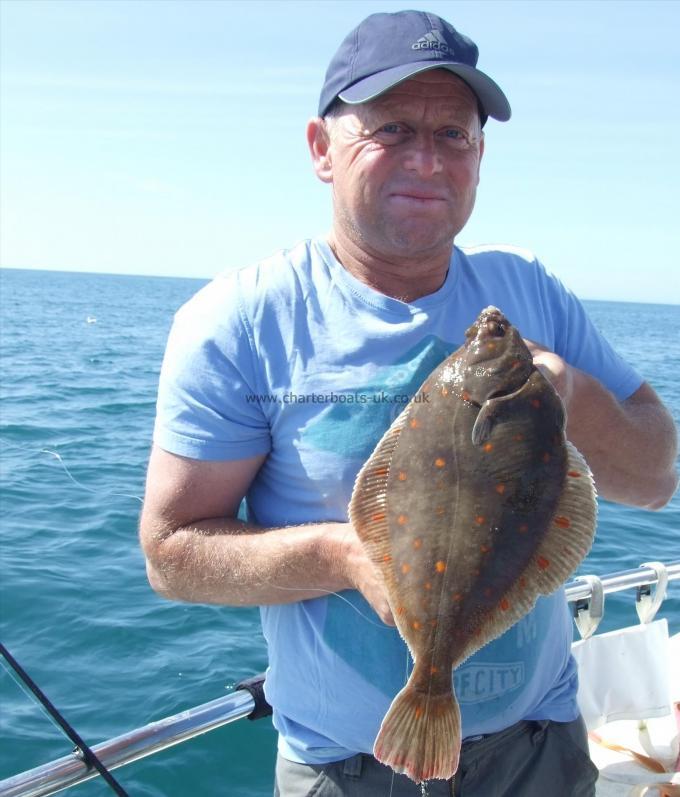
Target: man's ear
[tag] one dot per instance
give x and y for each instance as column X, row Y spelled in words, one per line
column 319, row 144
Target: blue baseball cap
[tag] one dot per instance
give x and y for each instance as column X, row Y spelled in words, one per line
column 387, row 48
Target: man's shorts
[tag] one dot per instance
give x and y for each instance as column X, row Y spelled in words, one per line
column 530, row 759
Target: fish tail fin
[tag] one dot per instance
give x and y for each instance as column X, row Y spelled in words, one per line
column 420, row 734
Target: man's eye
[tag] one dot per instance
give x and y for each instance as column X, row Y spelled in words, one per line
column 391, row 127
column 455, row 134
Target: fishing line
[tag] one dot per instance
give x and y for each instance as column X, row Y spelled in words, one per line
column 84, row 486
column 82, row 749
column 382, row 626
column 59, row 459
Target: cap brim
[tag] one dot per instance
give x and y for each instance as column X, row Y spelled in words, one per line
column 492, row 99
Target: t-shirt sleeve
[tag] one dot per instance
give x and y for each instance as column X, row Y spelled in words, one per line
column 581, row 344
column 208, row 405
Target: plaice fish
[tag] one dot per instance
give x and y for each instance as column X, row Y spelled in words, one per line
column 471, row 506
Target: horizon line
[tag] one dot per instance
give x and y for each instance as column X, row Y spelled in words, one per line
column 208, row 279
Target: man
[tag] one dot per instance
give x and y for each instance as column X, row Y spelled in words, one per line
column 279, row 380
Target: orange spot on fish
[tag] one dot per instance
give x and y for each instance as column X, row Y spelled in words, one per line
column 401, row 476
column 405, row 568
column 546, row 457
column 416, row 625
column 523, row 528
column 440, row 510
column 378, row 516
column 562, row 521
column 500, row 489
column 380, row 471
column 535, row 403
column 485, row 548
column 479, row 520
column 439, row 462
column 457, row 597
column 488, row 447
column 515, row 364
column 505, row 604
column 417, row 543
column 440, row 566
column 387, row 558
column 445, row 391
column 433, row 622
column 418, row 712
column 542, row 562
column 522, row 583
column 400, row 610
column 402, row 520
column 573, row 473
column 518, row 437
column 434, row 670
column 465, row 395
column 414, row 423
column 428, row 585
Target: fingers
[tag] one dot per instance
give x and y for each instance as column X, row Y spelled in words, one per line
column 554, row 368
column 375, row 594
column 363, row 576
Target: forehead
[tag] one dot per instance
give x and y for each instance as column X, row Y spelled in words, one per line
column 436, row 87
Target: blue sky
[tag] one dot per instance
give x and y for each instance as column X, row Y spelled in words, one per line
column 154, row 137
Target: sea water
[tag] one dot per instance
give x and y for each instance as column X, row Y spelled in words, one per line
column 80, row 360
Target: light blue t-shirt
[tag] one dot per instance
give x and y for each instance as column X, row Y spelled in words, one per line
column 295, row 358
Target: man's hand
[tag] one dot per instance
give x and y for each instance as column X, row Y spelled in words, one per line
column 555, row 369
column 362, row 574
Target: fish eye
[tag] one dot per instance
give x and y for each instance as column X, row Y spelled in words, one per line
column 495, row 328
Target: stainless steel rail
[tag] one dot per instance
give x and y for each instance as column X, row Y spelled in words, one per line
column 579, row 589
column 68, row 771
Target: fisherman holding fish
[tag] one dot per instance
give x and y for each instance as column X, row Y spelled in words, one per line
column 470, row 506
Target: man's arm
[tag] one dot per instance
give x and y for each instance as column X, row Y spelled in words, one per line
column 631, row 446
column 196, row 550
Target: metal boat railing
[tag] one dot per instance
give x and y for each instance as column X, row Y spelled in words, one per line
column 248, row 701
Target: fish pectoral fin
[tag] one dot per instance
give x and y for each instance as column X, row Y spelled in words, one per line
column 488, row 415
column 492, row 408
column 484, row 423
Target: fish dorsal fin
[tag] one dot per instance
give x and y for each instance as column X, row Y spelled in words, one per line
column 567, row 543
column 367, row 509
column 576, row 517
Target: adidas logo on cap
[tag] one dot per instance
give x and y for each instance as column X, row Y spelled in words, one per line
column 432, row 41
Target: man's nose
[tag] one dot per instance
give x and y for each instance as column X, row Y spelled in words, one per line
column 423, row 157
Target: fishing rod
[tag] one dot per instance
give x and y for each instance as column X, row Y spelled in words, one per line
column 82, row 749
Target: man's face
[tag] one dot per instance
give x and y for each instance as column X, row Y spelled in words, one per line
column 405, row 167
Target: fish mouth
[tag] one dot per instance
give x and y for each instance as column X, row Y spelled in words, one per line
column 491, row 323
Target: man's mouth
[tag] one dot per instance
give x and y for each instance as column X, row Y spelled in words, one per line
column 417, row 197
